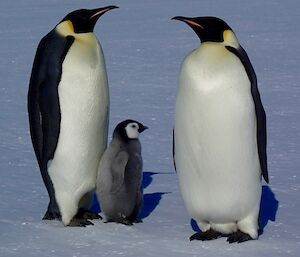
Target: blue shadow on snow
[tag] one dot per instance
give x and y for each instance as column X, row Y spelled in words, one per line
column 268, row 208
column 267, row 212
column 147, row 178
column 150, row 201
column 95, row 206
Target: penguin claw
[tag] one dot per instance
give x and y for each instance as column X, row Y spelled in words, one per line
column 126, row 222
column 77, row 222
column 120, row 221
column 207, row 235
column 136, row 220
column 88, row 215
column 238, row 237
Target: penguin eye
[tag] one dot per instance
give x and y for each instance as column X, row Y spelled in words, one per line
column 133, row 126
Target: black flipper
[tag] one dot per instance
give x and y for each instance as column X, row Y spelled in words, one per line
column 173, row 150
column 259, row 109
column 43, row 105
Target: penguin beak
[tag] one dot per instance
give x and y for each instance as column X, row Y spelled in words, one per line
column 142, row 128
column 190, row 21
column 100, row 11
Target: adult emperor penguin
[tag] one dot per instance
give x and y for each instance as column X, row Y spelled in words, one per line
column 119, row 179
column 68, row 106
column 220, row 135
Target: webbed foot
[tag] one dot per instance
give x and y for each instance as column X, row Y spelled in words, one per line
column 79, row 222
column 125, row 222
column 207, row 235
column 136, row 220
column 85, row 214
column 238, row 237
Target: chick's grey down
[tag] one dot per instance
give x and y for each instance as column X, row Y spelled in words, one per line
column 120, row 174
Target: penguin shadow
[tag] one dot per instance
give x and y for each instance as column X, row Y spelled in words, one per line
column 268, row 208
column 267, row 212
column 150, row 201
column 95, row 205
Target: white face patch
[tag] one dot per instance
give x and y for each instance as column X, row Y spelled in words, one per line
column 132, row 130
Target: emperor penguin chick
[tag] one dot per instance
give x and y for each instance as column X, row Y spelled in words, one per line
column 119, row 182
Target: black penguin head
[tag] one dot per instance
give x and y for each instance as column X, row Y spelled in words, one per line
column 129, row 130
column 84, row 20
column 208, row 29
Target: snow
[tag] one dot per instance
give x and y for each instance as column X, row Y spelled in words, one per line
column 143, row 50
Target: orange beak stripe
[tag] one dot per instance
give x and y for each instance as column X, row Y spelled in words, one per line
column 97, row 13
column 193, row 23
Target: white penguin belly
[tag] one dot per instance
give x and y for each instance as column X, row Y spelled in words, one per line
column 215, row 138
column 84, row 105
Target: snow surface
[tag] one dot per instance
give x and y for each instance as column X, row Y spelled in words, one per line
column 143, row 50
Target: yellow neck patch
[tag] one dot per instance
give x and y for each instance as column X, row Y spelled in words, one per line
column 65, row 28
column 230, row 39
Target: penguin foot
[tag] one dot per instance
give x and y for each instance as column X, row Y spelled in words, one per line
column 89, row 215
column 120, row 221
column 79, row 222
column 125, row 222
column 52, row 212
column 136, row 220
column 238, row 237
column 52, row 215
column 207, row 235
